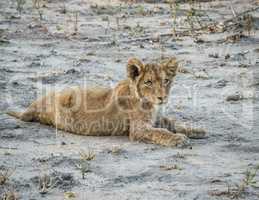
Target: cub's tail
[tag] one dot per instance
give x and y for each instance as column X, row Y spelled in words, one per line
column 15, row 114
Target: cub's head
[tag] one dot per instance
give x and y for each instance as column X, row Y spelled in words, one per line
column 152, row 81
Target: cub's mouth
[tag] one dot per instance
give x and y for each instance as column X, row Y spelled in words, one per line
column 161, row 102
column 157, row 101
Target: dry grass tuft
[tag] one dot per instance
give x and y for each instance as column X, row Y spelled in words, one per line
column 84, row 165
column 115, row 150
column 19, row 5
column 170, row 167
column 240, row 189
column 10, row 195
column 45, row 184
column 89, row 155
column 5, row 175
column 248, row 181
column 179, row 155
column 69, row 195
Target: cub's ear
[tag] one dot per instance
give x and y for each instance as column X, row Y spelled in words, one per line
column 171, row 65
column 134, row 68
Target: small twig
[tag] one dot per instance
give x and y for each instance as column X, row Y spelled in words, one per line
column 36, row 142
column 14, row 148
column 241, row 14
column 232, row 9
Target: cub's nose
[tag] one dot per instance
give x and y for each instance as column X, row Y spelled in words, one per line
column 160, row 98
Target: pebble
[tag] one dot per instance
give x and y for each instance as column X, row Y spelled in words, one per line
column 234, row 97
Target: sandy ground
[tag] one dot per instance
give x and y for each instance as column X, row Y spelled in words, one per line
column 39, row 55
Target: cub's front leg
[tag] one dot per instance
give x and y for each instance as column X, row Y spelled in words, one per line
column 176, row 127
column 141, row 131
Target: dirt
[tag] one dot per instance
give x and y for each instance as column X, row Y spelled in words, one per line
column 44, row 49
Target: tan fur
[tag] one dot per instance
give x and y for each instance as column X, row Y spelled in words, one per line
column 125, row 110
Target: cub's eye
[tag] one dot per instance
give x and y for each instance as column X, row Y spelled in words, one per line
column 166, row 81
column 148, row 83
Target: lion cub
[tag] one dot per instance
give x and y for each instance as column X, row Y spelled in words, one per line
column 128, row 109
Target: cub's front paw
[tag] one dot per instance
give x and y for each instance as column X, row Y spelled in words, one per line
column 197, row 133
column 177, row 140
